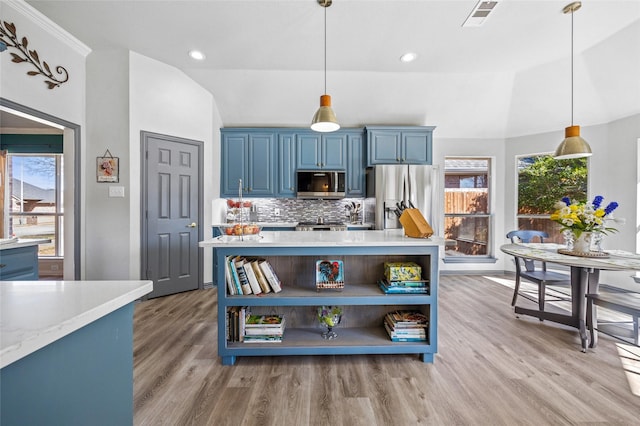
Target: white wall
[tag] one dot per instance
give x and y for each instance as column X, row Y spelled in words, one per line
column 67, row 102
column 129, row 93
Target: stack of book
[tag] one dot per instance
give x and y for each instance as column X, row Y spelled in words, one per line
column 404, row 286
column 406, row 326
column 250, row 276
column 263, row 328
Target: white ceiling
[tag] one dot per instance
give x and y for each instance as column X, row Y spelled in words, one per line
column 264, row 59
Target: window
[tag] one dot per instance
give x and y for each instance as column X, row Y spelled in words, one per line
column 35, row 209
column 542, row 182
column 467, row 209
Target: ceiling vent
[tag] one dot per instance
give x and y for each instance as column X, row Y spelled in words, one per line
column 480, row 13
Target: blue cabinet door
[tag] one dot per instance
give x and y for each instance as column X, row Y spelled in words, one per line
column 334, row 151
column 355, row 165
column 261, row 165
column 309, row 149
column 416, row 147
column 383, row 147
column 19, row 264
column 286, row 182
column 234, row 163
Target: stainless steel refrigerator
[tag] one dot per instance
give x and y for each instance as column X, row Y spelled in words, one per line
column 406, row 185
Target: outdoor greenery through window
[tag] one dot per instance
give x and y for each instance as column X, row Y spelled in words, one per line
column 542, row 182
column 467, row 208
column 35, row 189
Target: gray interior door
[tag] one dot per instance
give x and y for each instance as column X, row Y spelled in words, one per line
column 172, row 213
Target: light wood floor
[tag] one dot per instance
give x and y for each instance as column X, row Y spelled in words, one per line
column 491, row 369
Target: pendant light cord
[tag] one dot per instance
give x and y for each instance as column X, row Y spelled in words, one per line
column 572, row 12
column 325, row 49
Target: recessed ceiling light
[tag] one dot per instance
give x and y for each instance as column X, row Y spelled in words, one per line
column 197, row 55
column 408, row 57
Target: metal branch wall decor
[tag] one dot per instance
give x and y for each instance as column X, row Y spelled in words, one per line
column 9, row 37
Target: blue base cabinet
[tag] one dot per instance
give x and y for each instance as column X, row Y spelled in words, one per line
column 85, row 378
column 19, row 263
column 364, row 305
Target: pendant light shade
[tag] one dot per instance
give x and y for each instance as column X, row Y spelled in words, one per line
column 325, row 119
column 573, row 146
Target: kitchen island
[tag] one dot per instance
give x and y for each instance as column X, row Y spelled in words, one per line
column 66, row 351
column 293, row 256
column 19, row 258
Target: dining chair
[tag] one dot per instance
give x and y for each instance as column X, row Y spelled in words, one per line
column 526, row 268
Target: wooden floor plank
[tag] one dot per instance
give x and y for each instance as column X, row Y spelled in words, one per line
column 491, row 368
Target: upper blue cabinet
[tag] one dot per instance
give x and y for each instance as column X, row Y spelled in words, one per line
column 355, row 165
column 250, row 156
column 286, row 180
column 322, row 151
column 399, row 145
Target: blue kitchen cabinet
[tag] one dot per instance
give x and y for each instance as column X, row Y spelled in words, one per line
column 286, row 179
column 322, row 151
column 399, row 145
column 19, row 263
column 250, row 156
column 355, row 165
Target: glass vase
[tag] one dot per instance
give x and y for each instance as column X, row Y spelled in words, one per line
column 329, row 317
column 582, row 243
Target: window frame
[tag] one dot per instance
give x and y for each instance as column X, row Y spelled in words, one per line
column 489, row 215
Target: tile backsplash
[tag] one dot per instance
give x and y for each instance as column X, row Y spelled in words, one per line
column 294, row 210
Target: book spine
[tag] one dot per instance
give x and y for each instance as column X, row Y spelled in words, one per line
column 234, row 274
column 231, row 287
column 271, row 276
column 251, row 276
column 242, row 276
column 262, row 280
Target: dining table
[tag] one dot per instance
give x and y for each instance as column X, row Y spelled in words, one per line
column 585, row 279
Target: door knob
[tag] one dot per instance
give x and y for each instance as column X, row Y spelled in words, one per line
column 192, row 225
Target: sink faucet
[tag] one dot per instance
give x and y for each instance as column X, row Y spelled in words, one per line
column 320, row 220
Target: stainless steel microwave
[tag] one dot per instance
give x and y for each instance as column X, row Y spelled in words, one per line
column 325, row 184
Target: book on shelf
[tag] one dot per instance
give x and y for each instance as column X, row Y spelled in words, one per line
column 416, row 335
column 251, row 276
column 242, row 275
column 231, row 267
column 262, row 280
column 389, row 288
column 271, row 276
column 231, row 286
column 256, row 321
column 262, row 339
column 403, row 318
column 267, row 331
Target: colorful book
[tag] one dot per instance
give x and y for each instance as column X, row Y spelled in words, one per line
column 271, row 276
column 275, row 321
column 251, row 276
column 390, row 289
column 231, row 286
column 234, row 275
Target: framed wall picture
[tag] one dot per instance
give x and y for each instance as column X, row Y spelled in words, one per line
column 107, row 168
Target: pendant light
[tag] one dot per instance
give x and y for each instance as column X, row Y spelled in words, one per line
column 325, row 119
column 573, row 146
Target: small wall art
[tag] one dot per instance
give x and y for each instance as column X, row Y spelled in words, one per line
column 107, row 168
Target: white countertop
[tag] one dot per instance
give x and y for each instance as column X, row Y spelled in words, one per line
column 390, row 237
column 34, row 314
column 11, row 243
column 268, row 224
